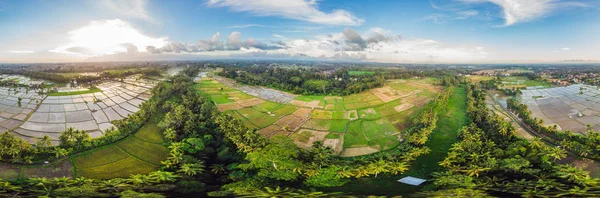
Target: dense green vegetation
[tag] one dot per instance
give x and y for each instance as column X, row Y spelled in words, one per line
column 491, row 160
column 90, row 90
column 305, row 81
column 203, row 152
column 360, row 73
column 443, row 136
column 583, row 145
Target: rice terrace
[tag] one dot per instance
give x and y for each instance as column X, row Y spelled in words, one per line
column 353, row 125
column 299, row 98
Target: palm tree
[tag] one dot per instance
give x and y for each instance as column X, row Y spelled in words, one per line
column 313, row 194
column 217, row 168
column 8, row 187
column 378, row 167
column 310, row 172
column 474, row 170
column 59, row 152
column 267, row 192
column 398, row 167
column 138, row 180
column 361, row 171
column 557, row 153
column 44, row 143
column 345, row 173
column 112, row 186
column 191, row 169
column 572, row 174
column 162, row 176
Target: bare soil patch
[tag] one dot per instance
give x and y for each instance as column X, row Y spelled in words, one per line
column 9, row 172
column 351, row 152
column 305, row 137
column 387, row 94
column 229, row 106
column 62, row 169
column 335, row 144
column 291, row 121
column 314, row 104
column 351, row 115
column 403, row 107
column 321, row 114
column 250, row 102
column 317, row 124
column 302, row 112
column 270, row 130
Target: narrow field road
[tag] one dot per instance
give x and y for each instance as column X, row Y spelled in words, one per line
column 586, row 164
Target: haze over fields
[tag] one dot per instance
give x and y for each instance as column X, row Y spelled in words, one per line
column 434, row 31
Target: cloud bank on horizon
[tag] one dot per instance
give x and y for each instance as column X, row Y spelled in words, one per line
column 440, row 31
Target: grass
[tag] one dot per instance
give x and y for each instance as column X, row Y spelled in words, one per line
column 310, row 98
column 338, row 115
column 318, row 124
column 338, row 126
column 90, row 90
column 354, row 136
column 303, row 136
column 9, row 172
column 379, row 129
column 121, row 169
column 374, row 121
column 369, row 114
column 321, row 114
column 512, row 81
column 441, row 140
column 360, row 73
column 221, row 99
column 476, row 78
column 268, row 106
column 138, row 154
column 333, row 136
column 150, row 132
column 103, row 156
column 149, row 152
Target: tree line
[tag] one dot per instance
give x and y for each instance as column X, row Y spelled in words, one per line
column 584, row 145
column 306, row 81
column 490, row 160
column 212, row 153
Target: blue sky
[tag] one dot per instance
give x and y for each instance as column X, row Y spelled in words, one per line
column 402, row 31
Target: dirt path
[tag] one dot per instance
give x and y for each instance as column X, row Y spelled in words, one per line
column 586, row 164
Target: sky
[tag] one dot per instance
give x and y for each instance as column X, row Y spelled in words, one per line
column 391, row 31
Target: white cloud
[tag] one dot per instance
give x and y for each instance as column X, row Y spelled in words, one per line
column 246, row 26
column 467, row 14
column 304, row 10
column 22, row 51
column 278, row 36
column 437, row 18
column 107, row 37
column 375, row 44
column 129, row 8
column 566, row 49
column 380, row 46
column 516, row 11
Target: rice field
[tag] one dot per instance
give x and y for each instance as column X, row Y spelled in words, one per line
column 370, row 120
column 138, row 154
